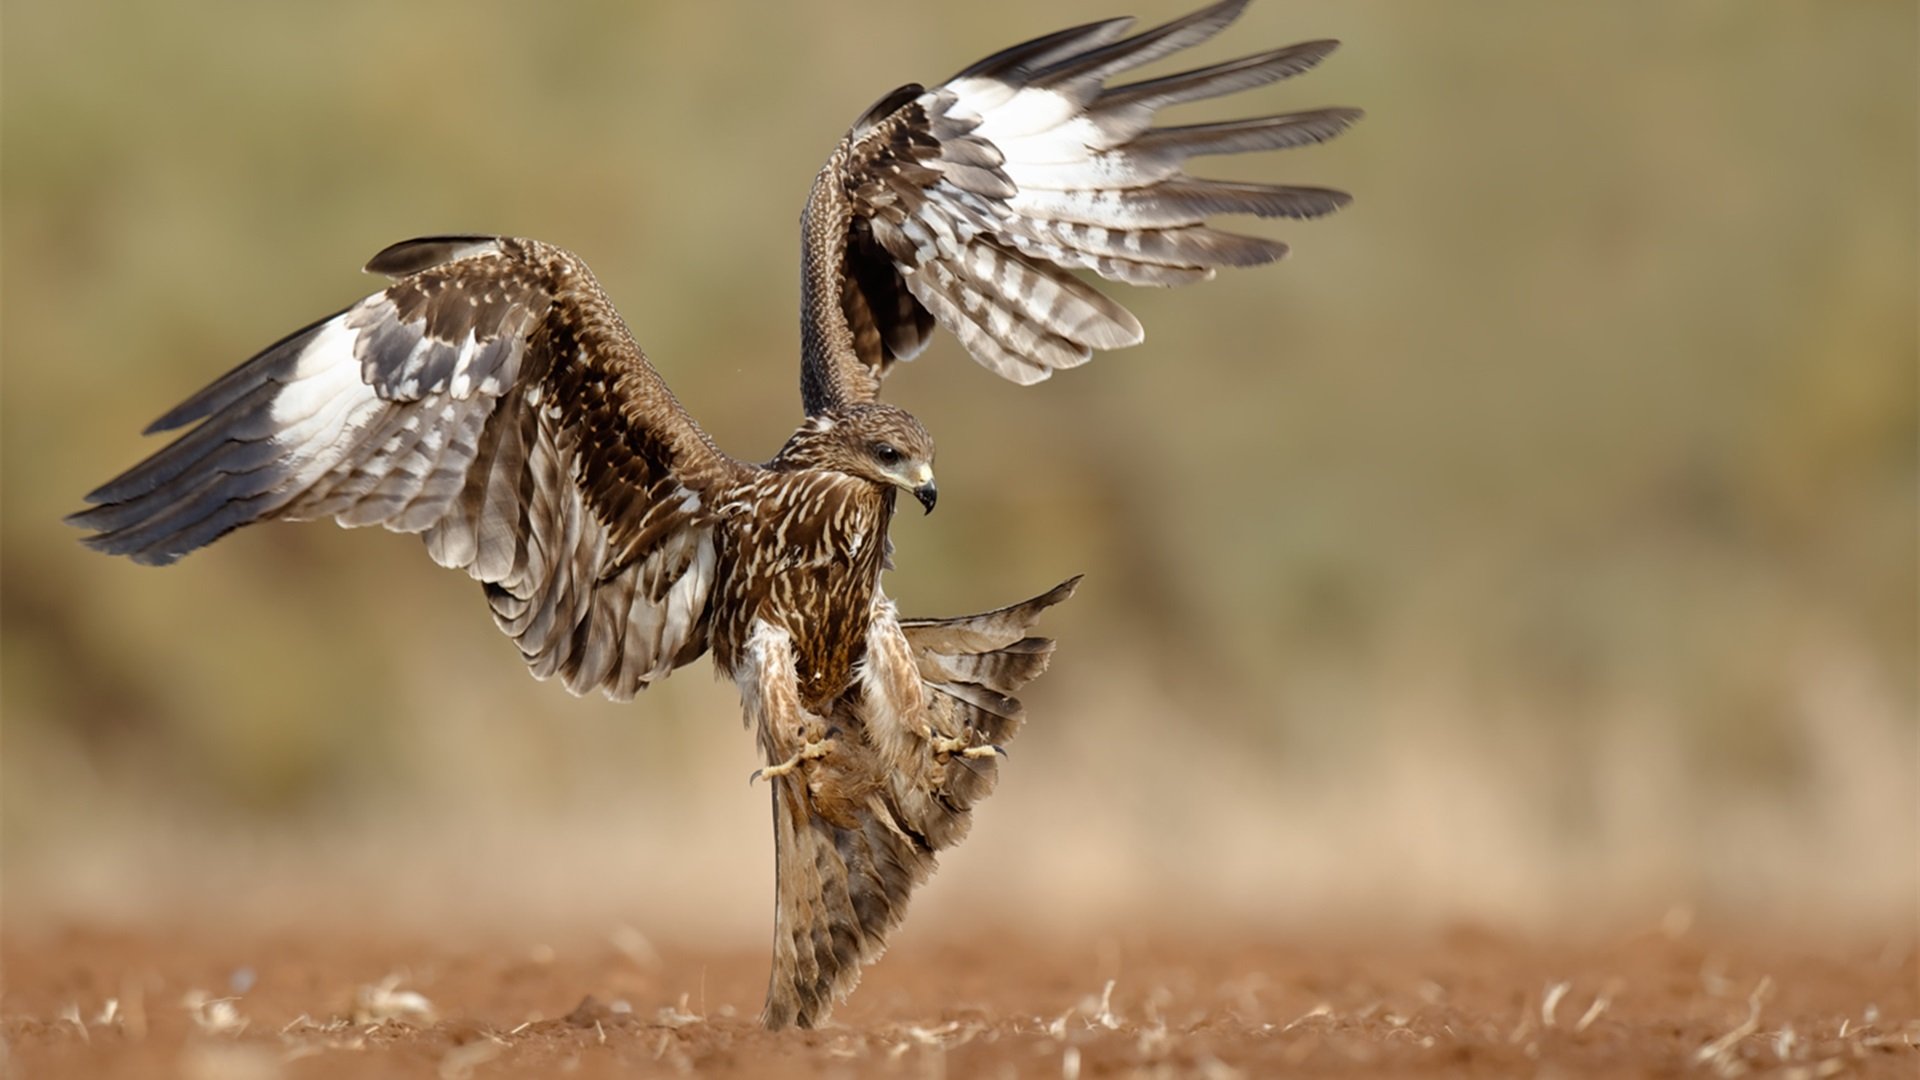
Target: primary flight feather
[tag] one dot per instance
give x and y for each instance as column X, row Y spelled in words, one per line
column 492, row 400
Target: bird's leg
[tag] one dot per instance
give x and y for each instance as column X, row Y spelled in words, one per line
column 943, row 744
column 810, row 750
column 934, row 723
column 787, row 730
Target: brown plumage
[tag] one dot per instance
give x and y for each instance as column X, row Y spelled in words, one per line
column 492, row 400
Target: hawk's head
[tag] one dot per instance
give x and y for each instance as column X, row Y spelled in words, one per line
column 881, row 443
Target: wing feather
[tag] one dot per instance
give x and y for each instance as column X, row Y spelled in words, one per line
column 1023, row 168
column 491, row 400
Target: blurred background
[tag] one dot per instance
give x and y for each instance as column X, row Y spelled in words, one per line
column 1536, row 546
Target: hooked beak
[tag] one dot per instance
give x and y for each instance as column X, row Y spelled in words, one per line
column 927, row 494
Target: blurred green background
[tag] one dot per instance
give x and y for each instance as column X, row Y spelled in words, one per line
column 1538, row 541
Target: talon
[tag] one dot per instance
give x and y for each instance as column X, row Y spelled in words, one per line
column 812, row 751
column 943, row 745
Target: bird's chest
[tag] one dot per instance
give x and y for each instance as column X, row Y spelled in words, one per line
column 809, row 564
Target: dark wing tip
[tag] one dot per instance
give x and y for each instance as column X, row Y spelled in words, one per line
column 413, row 256
column 1060, row 592
column 892, row 102
column 132, row 543
column 108, row 544
column 1341, row 117
column 179, row 416
column 1047, row 48
column 1225, row 11
column 1307, row 55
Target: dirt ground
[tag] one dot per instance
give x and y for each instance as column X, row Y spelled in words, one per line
column 206, row 1006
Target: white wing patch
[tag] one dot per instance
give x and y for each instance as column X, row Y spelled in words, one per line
column 320, row 412
column 1028, row 111
column 325, row 373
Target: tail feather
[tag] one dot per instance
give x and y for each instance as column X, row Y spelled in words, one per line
column 1004, row 670
column 987, row 631
column 843, row 874
column 859, row 831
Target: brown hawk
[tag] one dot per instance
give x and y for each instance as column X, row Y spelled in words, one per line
column 492, row 400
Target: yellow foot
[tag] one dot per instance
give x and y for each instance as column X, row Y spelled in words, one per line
column 943, row 745
column 812, row 751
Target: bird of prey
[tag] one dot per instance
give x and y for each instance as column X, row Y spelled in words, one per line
column 491, row 400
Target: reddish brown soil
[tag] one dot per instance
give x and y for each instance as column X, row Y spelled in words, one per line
column 1464, row 1003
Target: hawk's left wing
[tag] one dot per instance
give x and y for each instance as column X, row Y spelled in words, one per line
column 970, row 204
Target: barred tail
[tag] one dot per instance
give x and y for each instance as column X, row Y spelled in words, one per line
column 858, row 832
column 971, row 667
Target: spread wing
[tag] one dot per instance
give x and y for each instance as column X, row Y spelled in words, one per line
column 968, row 205
column 491, row 400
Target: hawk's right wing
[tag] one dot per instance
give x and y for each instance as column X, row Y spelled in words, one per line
column 969, row 204
column 492, row 400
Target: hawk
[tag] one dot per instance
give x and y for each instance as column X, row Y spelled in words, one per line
column 491, row 400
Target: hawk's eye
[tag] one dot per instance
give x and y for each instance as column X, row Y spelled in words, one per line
column 886, row 454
